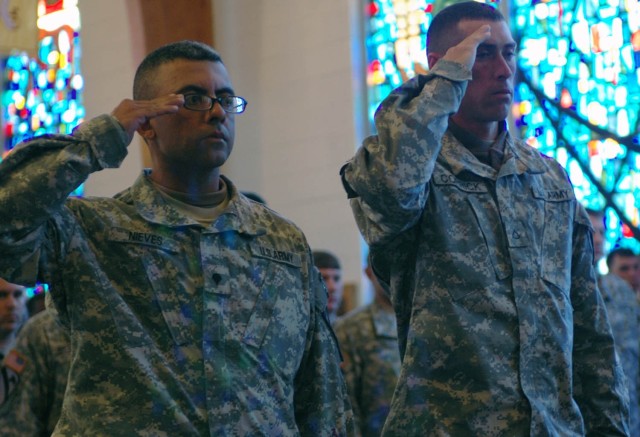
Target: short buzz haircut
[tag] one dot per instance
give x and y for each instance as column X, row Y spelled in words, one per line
column 186, row 49
column 444, row 23
column 595, row 212
column 621, row 252
column 325, row 260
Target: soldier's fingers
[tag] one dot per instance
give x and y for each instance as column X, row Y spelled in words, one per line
column 131, row 114
column 480, row 35
column 465, row 51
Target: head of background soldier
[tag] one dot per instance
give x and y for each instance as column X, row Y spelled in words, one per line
column 381, row 296
column 489, row 94
column 331, row 271
column 201, row 134
column 624, row 263
column 13, row 312
column 597, row 222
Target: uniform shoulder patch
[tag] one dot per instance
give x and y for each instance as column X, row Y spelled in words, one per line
column 15, row 361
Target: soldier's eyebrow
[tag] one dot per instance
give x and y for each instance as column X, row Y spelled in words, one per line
column 200, row 90
column 491, row 46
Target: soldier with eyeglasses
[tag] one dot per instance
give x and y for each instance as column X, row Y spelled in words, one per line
column 192, row 310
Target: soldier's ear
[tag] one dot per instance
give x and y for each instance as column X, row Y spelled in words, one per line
column 146, row 131
column 432, row 58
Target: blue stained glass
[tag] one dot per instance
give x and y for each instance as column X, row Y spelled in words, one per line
column 596, row 127
column 39, row 96
column 578, row 98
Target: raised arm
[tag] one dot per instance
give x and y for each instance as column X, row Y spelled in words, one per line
column 387, row 179
column 38, row 176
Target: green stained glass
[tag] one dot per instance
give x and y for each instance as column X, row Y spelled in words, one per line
column 578, row 100
column 43, row 94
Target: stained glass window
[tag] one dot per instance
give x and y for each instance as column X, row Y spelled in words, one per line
column 43, row 94
column 578, row 100
column 577, row 95
column 395, row 45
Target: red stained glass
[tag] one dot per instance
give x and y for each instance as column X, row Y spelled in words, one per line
column 565, row 99
column 635, row 40
column 53, row 5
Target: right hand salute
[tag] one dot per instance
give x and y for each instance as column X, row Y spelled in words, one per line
column 465, row 52
column 131, row 114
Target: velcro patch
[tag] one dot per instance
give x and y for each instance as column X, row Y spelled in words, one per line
column 15, row 361
column 466, row 186
column 274, row 254
column 145, row 238
column 556, row 195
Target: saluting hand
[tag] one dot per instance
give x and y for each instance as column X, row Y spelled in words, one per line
column 465, row 52
column 131, row 114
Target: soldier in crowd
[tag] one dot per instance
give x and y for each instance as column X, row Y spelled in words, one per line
column 39, row 365
column 623, row 310
column 624, row 263
column 191, row 310
column 329, row 266
column 487, row 253
column 368, row 339
column 13, row 313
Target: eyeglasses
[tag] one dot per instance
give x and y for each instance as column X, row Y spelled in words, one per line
column 203, row 102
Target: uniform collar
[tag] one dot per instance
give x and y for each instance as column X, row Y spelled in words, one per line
column 241, row 215
column 519, row 158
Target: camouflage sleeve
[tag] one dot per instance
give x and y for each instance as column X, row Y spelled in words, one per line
column 599, row 382
column 350, row 368
column 387, row 178
column 322, row 405
column 36, row 178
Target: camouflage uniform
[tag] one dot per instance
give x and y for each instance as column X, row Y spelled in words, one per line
column 368, row 340
column 624, row 316
column 176, row 328
column 33, row 407
column 501, row 328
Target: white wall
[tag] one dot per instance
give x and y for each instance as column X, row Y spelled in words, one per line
column 294, row 62
column 112, row 46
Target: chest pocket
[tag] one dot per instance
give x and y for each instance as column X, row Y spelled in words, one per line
column 257, row 300
column 558, row 205
column 150, row 302
column 279, row 285
column 466, row 249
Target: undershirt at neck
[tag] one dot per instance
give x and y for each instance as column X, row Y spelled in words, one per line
column 203, row 208
column 486, row 151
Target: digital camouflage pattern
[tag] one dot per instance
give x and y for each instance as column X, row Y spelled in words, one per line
column 368, row 339
column 176, row 329
column 624, row 315
column 32, row 408
column 501, row 328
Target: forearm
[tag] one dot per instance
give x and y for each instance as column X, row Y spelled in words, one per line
column 38, row 176
column 387, row 179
